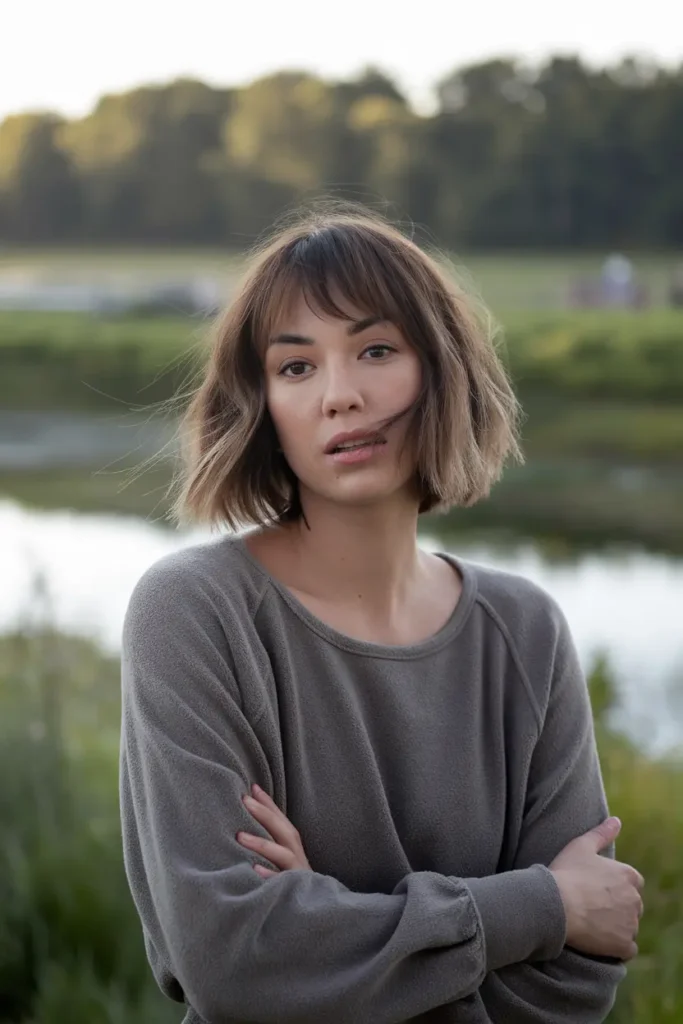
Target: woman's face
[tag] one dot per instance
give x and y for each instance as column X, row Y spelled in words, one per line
column 327, row 377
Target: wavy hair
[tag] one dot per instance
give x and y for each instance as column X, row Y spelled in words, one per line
column 464, row 424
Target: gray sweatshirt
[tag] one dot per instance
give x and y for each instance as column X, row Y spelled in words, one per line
column 431, row 784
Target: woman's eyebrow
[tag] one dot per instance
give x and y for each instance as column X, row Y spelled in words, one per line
column 355, row 327
column 358, row 326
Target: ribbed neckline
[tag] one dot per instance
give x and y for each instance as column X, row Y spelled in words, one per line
column 400, row 652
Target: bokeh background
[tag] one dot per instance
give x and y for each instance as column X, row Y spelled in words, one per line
column 543, row 163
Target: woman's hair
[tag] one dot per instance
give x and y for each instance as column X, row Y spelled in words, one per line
column 464, row 423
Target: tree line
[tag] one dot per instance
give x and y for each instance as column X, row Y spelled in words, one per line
column 558, row 156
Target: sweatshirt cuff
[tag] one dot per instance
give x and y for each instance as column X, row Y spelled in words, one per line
column 522, row 915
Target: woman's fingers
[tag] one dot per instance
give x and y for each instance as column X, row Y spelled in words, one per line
column 264, row 872
column 274, row 852
column 261, row 795
column 271, row 817
column 287, row 850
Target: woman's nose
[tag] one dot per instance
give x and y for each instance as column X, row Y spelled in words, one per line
column 341, row 393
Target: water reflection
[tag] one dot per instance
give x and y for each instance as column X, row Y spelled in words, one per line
column 34, row 440
column 626, row 603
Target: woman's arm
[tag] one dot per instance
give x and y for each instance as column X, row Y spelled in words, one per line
column 299, row 946
column 565, row 798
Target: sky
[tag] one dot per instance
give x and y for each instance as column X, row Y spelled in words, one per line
column 64, row 56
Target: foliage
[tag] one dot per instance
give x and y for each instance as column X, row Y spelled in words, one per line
column 70, row 942
column 648, row 798
column 632, row 355
column 72, row 359
column 557, row 155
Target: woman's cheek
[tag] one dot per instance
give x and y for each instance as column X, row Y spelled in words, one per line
column 295, row 435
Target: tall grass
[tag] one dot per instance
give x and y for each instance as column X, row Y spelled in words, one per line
column 70, row 941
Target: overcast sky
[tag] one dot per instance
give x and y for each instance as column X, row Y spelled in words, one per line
column 64, row 56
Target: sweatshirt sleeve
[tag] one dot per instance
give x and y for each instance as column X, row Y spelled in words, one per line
column 565, row 798
column 298, row 946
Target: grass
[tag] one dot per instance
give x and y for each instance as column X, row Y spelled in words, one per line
column 78, row 361
column 70, row 947
column 70, row 941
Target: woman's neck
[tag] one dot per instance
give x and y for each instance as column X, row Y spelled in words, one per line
column 362, row 557
column 361, row 571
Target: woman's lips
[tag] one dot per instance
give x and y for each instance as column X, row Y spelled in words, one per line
column 350, row 456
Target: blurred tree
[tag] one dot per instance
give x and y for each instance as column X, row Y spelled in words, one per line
column 40, row 187
column 142, row 155
column 382, row 127
column 185, row 126
column 554, row 156
column 474, row 140
column 279, row 129
column 371, row 82
column 660, row 137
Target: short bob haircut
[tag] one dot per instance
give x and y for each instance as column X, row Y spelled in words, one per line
column 464, row 424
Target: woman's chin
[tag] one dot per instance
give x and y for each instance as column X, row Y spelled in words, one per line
column 360, row 491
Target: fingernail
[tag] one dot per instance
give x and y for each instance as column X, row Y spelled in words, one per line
column 249, row 801
column 256, row 789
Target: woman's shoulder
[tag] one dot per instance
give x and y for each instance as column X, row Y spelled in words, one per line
column 187, row 638
column 517, row 605
column 210, row 573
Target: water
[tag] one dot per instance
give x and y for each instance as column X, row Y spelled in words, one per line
column 34, row 440
column 627, row 604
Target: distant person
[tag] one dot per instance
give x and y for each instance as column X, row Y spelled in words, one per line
column 431, row 839
column 618, row 288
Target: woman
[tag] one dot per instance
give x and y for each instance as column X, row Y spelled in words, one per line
column 425, row 842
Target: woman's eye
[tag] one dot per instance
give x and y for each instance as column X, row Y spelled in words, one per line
column 298, row 370
column 381, row 349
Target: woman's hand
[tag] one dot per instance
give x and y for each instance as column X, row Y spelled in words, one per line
column 601, row 896
column 285, row 848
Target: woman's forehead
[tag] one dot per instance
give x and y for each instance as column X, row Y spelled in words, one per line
column 301, row 306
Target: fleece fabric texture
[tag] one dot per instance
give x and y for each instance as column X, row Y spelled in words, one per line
column 431, row 784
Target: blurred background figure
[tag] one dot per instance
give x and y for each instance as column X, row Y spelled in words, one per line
column 617, row 286
column 617, row 282
column 545, row 171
